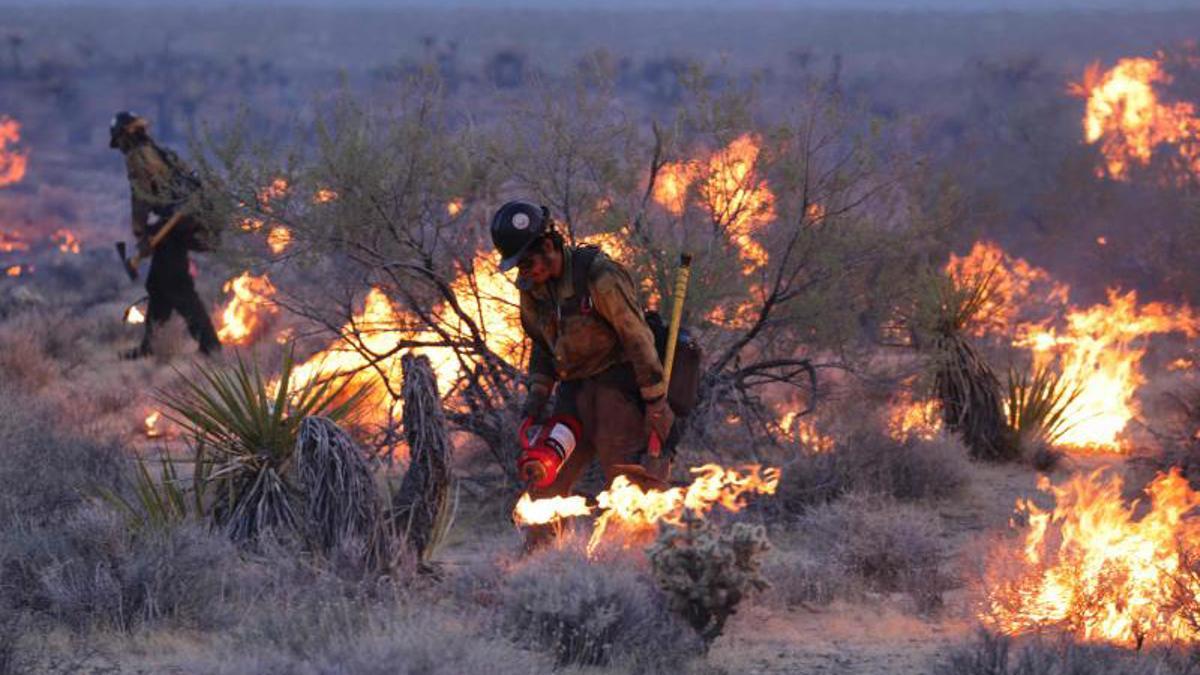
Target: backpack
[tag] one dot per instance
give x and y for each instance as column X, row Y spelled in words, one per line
column 684, row 387
column 198, row 227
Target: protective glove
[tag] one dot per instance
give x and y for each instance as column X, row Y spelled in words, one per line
column 659, row 420
column 535, row 403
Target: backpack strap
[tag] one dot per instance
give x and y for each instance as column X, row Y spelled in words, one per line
column 580, row 301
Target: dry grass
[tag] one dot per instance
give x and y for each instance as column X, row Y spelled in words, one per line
column 990, row 654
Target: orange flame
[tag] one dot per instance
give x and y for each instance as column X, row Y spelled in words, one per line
column 1015, row 285
column 486, row 296
column 1101, row 349
column 804, row 432
column 914, row 419
column 633, row 509
column 242, row 317
column 1125, row 116
column 14, row 271
column 1096, row 568
column 324, row 196
column 12, row 162
column 454, row 208
column 731, row 191
column 66, row 240
column 276, row 190
column 279, row 238
column 10, row 242
column 150, row 425
column 133, row 315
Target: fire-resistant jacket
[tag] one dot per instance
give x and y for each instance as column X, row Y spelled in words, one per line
column 585, row 341
column 158, row 183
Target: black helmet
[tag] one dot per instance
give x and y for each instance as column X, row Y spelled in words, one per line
column 515, row 228
column 122, row 123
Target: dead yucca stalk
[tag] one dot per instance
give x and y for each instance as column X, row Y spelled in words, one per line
column 1038, row 401
column 244, row 428
column 341, row 502
column 964, row 382
column 422, row 510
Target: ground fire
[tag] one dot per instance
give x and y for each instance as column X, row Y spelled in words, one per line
column 625, row 509
column 12, row 161
column 1100, row 347
column 1101, row 568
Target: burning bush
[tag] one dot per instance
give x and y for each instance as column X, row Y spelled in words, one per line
column 1102, row 570
column 594, row 614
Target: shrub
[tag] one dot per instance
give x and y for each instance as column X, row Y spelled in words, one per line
column 889, row 546
column 990, row 654
column 870, row 461
column 593, row 613
column 90, row 569
column 1038, row 401
column 706, row 572
column 45, row 471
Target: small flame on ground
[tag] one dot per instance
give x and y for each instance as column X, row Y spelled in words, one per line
column 13, row 271
column 632, row 509
column 242, row 317
column 276, row 190
column 454, row 208
column 134, row 315
column 10, row 242
column 12, row 162
column 805, row 433
column 324, row 196
column 251, row 224
column 66, row 240
column 278, row 239
column 914, row 419
column 1099, row 568
column 150, row 425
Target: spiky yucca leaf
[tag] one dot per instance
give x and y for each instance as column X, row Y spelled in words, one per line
column 157, row 502
column 244, row 428
column 1038, row 401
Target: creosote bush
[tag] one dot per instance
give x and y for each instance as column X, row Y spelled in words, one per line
column 606, row 613
column 867, row 460
column 886, row 545
column 991, row 654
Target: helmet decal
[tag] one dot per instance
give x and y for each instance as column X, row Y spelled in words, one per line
column 520, row 221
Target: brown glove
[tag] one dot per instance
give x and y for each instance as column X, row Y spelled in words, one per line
column 659, row 418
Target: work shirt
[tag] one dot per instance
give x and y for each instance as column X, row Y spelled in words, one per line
column 586, row 341
column 155, row 187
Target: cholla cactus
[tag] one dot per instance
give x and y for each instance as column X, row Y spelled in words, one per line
column 706, row 572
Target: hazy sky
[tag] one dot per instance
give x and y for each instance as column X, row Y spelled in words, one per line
column 628, row 4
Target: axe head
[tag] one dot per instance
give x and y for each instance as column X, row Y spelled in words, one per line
column 130, row 266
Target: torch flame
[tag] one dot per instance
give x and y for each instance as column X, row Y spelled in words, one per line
column 1093, row 567
column 134, row 315
column 242, row 317
column 12, row 162
column 634, row 509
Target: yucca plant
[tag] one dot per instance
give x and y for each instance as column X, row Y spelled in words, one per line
column 162, row 501
column 244, row 427
column 945, row 310
column 1038, row 401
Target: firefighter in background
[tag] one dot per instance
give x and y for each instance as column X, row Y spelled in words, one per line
column 160, row 185
column 592, row 348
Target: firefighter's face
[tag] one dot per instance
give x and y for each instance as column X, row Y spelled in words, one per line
column 540, row 265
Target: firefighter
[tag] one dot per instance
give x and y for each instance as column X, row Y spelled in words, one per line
column 160, row 185
column 591, row 347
